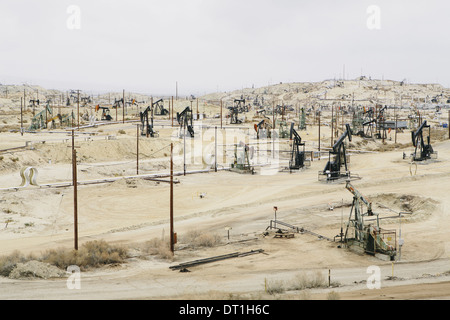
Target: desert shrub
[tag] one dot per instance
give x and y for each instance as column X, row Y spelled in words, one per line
column 307, row 281
column 91, row 254
column 157, row 247
column 197, row 238
column 274, row 287
column 121, row 131
column 9, row 262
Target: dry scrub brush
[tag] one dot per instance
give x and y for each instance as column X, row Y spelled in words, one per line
column 198, row 239
column 91, row 254
column 157, row 247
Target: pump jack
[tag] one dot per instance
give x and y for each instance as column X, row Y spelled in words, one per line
column 263, row 129
column 333, row 168
column 242, row 155
column 105, row 113
column 422, row 151
column 159, row 109
column 240, row 105
column 184, row 119
column 234, row 111
column 369, row 237
column 297, row 157
column 146, row 126
column 381, row 124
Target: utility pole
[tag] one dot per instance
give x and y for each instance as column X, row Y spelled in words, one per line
column 332, row 124
column 123, row 111
column 172, row 111
column 319, row 134
column 78, row 109
column 21, row 116
column 137, row 149
column 221, row 113
column 215, row 149
column 75, row 192
column 184, row 151
column 396, row 128
column 172, row 240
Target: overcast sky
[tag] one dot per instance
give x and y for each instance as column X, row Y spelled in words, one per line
column 209, row 45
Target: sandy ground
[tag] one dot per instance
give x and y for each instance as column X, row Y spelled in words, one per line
column 132, row 211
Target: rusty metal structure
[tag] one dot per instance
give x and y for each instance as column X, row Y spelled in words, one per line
column 363, row 230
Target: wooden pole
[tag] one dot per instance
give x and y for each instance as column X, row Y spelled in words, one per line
column 221, row 106
column 172, row 111
column 215, row 149
column 319, row 133
column 396, row 118
column 21, row 116
column 171, row 200
column 137, row 149
column 123, row 105
column 78, row 109
column 75, row 192
column 332, row 125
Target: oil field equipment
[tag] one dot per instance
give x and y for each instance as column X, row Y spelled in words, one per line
column 184, row 119
column 158, row 108
column 337, row 167
column 117, row 103
column 297, row 160
column 365, row 234
column 422, row 151
column 106, row 116
column 240, row 105
column 234, row 112
column 146, row 125
column 365, row 123
column 282, row 129
column 263, row 129
column 302, row 120
column 381, row 124
column 242, row 155
column 40, row 120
